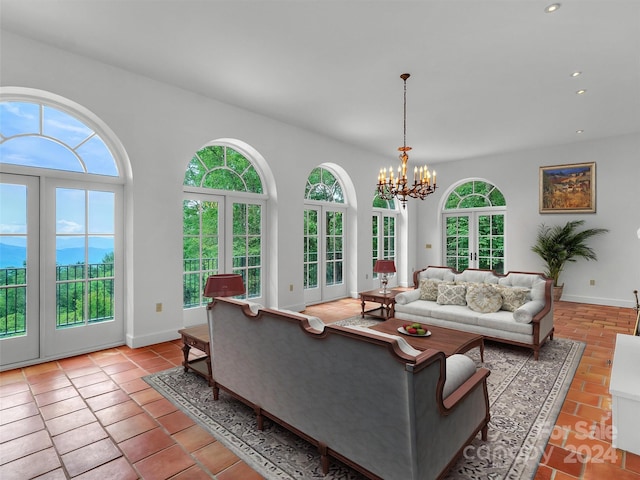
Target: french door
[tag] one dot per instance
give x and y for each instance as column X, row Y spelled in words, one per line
column 324, row 254
column 475, row 240
column 19, row 269
column 61, row 288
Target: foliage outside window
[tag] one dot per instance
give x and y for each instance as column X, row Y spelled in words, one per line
column 200, row 248
column 475, row 237
column 475, row 194
column 310, row 236
column 323, row 186
column 224, row 169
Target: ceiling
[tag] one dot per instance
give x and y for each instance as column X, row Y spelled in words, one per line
column 486, row 76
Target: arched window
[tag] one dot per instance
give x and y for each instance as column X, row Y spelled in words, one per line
column 222, row 222
column 383, row 231
column 324, row 237
column 474, row 234
column 61, row 233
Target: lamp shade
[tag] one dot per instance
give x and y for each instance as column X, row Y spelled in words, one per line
column 384, row 266
column 224, row 285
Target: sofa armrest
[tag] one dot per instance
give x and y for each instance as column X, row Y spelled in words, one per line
column 459, row 369
column 479, row 378
column 526, row 312
column 408, row 296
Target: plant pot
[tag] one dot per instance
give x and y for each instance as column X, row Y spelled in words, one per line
column 557, row 292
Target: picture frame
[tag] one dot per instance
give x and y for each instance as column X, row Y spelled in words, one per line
column 636, row 329
column 569, row 188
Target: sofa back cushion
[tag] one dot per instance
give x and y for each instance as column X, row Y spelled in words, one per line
column 533, row 281
column 437, row 273
column 476, row 276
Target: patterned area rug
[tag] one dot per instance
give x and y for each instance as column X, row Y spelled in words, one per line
column 525, row 397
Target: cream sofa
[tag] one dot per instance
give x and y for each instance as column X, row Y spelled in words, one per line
column 363, row 397
column 520, row 314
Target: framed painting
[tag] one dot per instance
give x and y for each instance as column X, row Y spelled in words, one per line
column 568, row 188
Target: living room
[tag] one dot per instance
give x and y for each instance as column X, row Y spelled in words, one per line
column 160, row 124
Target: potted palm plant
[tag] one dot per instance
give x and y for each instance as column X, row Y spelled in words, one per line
column 559, row 244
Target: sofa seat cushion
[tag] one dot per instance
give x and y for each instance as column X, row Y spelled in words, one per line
column 483, row 298
column 503, row 321
column 456, row 314
column 459, row 369
column 424, row 308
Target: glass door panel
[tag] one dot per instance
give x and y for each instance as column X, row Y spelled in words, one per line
column 81, row 311
column 19, row 270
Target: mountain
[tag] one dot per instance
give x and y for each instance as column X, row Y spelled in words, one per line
column 12, row 256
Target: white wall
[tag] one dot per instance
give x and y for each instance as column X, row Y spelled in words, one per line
column 161, row 126
column 617, row 271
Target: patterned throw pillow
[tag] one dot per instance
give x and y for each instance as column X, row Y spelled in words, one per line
column 513, row 297
column 483, row 298
column 451, row 294
column 429, row 289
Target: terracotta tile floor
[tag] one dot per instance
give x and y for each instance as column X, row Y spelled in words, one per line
column 92, row 416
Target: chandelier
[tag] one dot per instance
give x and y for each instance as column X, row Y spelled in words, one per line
column 390, row 186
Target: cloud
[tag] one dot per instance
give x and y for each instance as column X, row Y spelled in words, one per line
column 14, row 109
column 13, row 228
column 67, row 226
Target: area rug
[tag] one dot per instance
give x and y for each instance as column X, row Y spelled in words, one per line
column 525, row 397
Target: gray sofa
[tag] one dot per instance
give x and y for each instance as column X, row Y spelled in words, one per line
column 516, row 308
column 365, row 398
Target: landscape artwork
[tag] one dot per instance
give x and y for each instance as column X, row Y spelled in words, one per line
column 568, row 188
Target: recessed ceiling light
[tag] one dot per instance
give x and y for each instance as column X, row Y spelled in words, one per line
column 579, row 132
column 581, row 92
column 576, row 74
column 552, row 8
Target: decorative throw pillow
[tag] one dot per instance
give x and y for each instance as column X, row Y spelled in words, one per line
column 513, row 297
column 429, row 288
column 483, row 298
column 451, row 294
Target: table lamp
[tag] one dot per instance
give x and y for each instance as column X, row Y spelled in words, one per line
column 385, row 267
column 223, row 285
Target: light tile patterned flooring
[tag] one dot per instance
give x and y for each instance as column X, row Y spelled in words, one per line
column 93, row 417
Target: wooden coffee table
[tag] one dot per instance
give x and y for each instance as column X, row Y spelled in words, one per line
column 446, row 340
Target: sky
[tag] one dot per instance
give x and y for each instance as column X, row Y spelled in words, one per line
column 42, row 136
